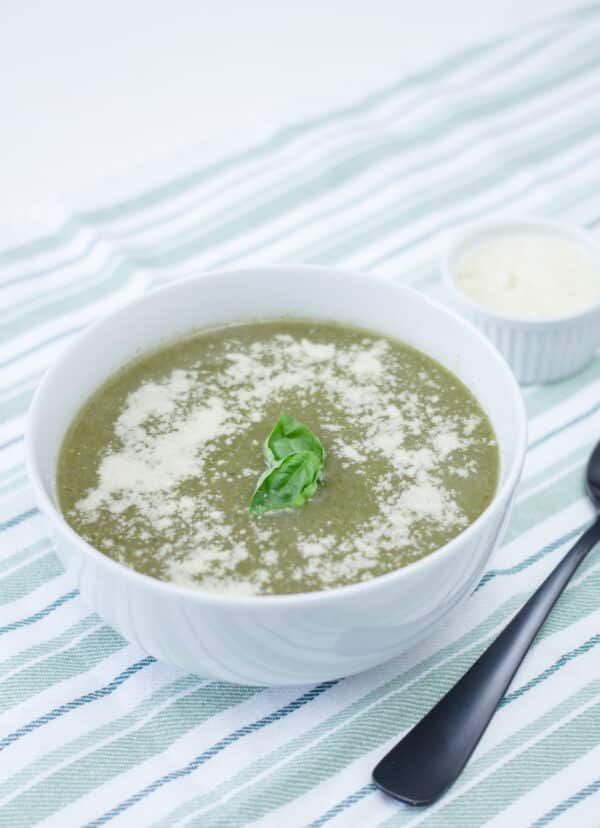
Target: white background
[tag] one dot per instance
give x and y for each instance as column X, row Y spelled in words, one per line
column 92, row 90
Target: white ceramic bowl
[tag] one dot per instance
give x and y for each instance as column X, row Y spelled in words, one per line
column 538, row 351
column 289, row 639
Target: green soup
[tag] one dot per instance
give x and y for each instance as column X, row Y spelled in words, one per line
column 159, row 467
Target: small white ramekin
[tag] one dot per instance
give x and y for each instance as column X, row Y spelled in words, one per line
column 538, row 351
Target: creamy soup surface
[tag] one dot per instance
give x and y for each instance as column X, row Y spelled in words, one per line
column 158, row 468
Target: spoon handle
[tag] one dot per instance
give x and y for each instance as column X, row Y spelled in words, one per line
column 431, row 756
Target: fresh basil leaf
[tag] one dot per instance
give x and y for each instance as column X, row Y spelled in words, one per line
column 288, row 484
column 295, row 459
column 289, row 436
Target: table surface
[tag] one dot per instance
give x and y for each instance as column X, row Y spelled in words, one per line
column 94, row 90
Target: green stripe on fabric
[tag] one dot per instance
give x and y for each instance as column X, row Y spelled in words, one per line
column 17, row 405
column 58, row 267
column 558, row 469
column 24, row 381
column 28, row 578
column 42, row 244
column 524, row 564
column 12, row 471
column 546, row 502
column 94, row 648
column 16, row 558
column 45, row 647
column 559, row 391
column 72, row 781
column 73, row 747
column 117, row 278
column 19, row 482
column 32, row 349
column 586, row 414
column 579, row 600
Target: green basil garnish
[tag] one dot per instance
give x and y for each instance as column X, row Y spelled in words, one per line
column 288, row 484
column 289, row 436
column 295, row 457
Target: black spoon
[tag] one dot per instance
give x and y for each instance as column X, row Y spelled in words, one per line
column 432, row 755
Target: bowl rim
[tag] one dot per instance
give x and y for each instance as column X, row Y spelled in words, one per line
column 471, row 234
column 503, row 492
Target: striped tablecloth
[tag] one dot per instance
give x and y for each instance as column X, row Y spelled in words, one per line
column 94, row 731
